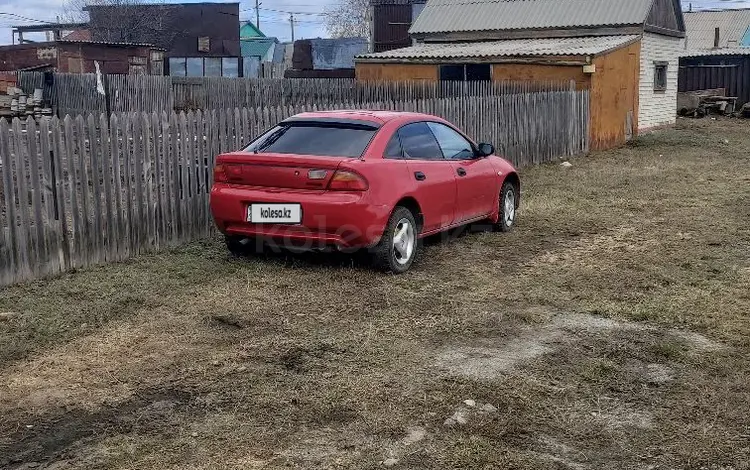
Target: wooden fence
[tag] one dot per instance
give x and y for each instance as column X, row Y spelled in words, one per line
column 85, row 190
column 77, row 93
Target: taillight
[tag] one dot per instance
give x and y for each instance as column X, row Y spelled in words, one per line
column 220, row 175
column 347, row 181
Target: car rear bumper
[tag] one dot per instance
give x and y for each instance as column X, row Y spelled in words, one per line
column 340, row 218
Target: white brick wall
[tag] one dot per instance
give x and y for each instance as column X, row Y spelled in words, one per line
column 658, row 108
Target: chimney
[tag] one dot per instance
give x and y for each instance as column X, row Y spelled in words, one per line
column 716, row 38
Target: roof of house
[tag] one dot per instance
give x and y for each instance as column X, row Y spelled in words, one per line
column 724, row 51
column 78, row 35
column 107, row 43
column 396, row 2
column 249, row 31
column 257, row 47
column 580, row 46
column 445, row 16
column 734, row 25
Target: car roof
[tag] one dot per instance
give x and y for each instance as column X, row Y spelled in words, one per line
column 378, row 116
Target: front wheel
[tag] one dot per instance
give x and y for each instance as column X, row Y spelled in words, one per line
column 507, row 208
column 398, row 247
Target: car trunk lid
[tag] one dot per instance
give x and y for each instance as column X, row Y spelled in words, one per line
column 279, row 170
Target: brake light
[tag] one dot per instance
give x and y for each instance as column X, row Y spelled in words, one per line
column 220, row 175
column 347, row 181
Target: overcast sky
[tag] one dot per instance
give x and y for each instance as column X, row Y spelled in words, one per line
column 13, row 12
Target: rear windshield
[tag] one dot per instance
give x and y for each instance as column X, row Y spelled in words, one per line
column 330, row 140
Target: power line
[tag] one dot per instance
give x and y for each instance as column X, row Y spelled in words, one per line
column 286, row 12
column 25, row 18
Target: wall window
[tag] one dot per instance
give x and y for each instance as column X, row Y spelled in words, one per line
column 230, row 67
column 466, row 72
column 177, row 67
column 204, row 66
column 660, row 76
column 194, row 66
column 204, row 44
column 212, row 66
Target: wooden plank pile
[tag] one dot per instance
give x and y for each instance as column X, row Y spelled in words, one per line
column 15, row 103
column 701, row 103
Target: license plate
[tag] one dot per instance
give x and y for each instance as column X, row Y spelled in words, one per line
column 274, row 213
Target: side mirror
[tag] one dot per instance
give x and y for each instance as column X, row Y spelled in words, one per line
column 485, row 150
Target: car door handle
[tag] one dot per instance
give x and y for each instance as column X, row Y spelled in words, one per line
column 461, row 172
column 420, row 176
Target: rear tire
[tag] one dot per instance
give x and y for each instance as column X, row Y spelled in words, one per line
column 507, row 208
column 398, row 246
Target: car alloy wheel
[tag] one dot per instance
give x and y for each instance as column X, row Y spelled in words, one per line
column 404, row 240
column 509, row 212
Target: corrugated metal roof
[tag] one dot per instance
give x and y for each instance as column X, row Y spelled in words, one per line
column 442, row 16
column 716, row 52
column 110, row 43
column 701, row 26
column 257, row 47
column 510, row 48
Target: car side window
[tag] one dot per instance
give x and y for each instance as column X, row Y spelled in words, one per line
column 453, row 144
column 418, row 142
column 393, row 149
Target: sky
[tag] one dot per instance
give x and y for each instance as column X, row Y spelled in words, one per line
column 308, row 18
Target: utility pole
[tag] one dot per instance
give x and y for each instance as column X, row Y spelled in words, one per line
column 291, row 21
column 257, row 14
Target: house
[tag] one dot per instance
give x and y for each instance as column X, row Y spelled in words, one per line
column 625, row 52
column 250, row 31
column 717, row 53
column 79, row 57
column 325, row 58
column 391, row 20
column 711, row 29
column 255, row 45
column 200, row 39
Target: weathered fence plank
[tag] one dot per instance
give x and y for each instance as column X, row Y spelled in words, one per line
column 9, row 248
column 26, row 254
column 118, row 222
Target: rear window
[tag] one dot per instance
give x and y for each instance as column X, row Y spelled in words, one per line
column 320, row 139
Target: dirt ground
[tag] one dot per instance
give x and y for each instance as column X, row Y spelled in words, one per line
column 611, row 330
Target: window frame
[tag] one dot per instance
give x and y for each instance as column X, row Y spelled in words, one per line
column 395, row 137
column 472, row 145
column 315, row 123
column 403, row 150
column 181, row 63
column 464, row 72
column 659, row 65
column 176, row 63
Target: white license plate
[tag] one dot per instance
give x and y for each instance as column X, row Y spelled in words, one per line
column 274, row 213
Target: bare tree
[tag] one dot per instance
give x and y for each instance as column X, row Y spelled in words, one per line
column 124, row 20
column 350, row 18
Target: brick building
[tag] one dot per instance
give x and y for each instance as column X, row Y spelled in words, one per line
column 79, row 56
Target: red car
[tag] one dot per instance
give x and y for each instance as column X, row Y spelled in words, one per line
column 379, row 180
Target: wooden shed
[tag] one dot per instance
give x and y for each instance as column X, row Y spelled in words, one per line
column 624, row 51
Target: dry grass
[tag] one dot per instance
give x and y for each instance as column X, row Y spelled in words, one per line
column 610, row 330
